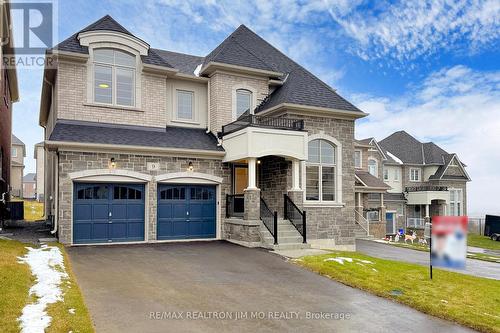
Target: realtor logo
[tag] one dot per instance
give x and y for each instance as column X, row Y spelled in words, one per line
column 35, row 26
column 32, row 30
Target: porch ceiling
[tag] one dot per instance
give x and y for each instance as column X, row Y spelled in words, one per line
column 426, row 197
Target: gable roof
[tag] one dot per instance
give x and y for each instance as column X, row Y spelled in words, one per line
column 29, row 178
column 441, row 171
column 404, row 146
column 16, row 141
column 242, row 48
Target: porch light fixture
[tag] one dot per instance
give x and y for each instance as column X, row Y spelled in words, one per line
column 112, row 163
column 258, row 161
column 190, row 166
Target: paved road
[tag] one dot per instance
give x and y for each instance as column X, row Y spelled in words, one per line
column 480, row 268
column 123, row 285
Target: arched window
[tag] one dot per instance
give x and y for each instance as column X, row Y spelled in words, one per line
column 114, row 77
column 373, row 167
column 243, row 102
column 321, row 171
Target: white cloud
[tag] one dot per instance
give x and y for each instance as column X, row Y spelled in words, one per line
column 459, row 109
column 409, row 29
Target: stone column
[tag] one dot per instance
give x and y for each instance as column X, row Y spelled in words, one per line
column 252, row 204
column 297, row 198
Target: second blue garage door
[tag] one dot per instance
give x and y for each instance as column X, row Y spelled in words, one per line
column 186, row 211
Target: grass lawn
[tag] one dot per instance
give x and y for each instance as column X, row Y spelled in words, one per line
column 468, row 300
column 33, row 210
column 19, row 279
column 15, row 281
column 482, row 241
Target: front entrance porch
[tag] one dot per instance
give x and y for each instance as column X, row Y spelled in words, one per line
column 423, row 202
column 265, row 200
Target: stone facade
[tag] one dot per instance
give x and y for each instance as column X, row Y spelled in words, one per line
column 78, row 161
column 336, row 222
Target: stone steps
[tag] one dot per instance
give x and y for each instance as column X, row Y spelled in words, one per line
column 288, row 237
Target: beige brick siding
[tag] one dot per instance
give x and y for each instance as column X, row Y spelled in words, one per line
column 72, row 100
column 222, row 86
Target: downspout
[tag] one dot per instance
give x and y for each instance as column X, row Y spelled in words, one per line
column 208, row 103
column 56, row 195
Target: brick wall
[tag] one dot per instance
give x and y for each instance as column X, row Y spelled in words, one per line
column 222, row 86
column 72, row 103
column 5, row 131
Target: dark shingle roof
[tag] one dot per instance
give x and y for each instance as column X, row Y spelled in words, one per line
column 16, row 141
column 370, row 180
column 404, row 146
column 433, row 154
column 169, row 137
column 29, row 178
column 364, row 141
column 185, row 63
column 243, row 48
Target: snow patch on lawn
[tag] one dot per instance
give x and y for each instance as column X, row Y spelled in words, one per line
column 71, row 311
column 340, row 260
column 47, row 265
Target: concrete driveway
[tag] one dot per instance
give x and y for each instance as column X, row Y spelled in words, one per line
column 474, row 267
column 137, row 288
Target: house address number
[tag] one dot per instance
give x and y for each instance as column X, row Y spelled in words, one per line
column 153, row 166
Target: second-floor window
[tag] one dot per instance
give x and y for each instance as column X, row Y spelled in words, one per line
column 414, row 175
column 386, row 174
column 357, row 159
column 396, row 174
column 114, row 77
column 243, row 101
column 14, row 152
column 185, row 105
column 455, row 207
column 373, row 168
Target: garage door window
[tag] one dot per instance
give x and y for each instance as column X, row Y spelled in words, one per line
column 124, row 192
column 93, row 193
column 173, row 194
column 201, row 194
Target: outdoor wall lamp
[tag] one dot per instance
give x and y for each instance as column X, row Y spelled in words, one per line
column 112, row 163
column 190, row 166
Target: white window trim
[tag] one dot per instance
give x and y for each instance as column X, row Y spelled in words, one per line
column 193, row 107
column 376, row 166
column 13, row 152
column 137, row 77
column 460, row 197
column 360, row 159
column 384, row 171
column 419, row 175
column 397, row 175
column 234, row 96
column 338, row 170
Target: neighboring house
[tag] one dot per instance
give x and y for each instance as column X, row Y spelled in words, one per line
column 147, row 145
column 29, row 186
column 18, row 153
column 39, row 155
column 424, row 181
column 9, row 94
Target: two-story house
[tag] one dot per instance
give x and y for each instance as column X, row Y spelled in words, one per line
column 148, row 145
column 9, row 93
column 422, row 179
column 18, row 153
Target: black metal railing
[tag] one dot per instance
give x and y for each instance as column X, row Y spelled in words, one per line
column 295, row 216
column 252, row 120
column 235, row 205
column 269, row 219
column 425, row 188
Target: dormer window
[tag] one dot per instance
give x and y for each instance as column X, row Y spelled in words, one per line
column 114, row 77
column 243, row 101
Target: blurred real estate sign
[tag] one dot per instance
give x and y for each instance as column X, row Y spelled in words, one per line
column 449, row 241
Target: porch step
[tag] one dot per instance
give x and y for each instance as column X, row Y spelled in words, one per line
column 288, row 237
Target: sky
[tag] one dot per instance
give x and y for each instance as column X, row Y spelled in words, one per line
column 431, row 68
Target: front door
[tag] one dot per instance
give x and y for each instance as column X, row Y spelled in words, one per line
column 390, row 226
column 186, row 211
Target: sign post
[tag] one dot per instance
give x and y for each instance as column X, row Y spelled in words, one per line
column 448, row 242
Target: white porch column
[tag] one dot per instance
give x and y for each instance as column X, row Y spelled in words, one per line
column 252, row 173
column 427, row 211
column 295, row 175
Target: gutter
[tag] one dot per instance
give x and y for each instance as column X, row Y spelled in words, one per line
column 56, row 196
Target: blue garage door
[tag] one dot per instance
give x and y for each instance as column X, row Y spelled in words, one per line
column 186, row 211
column 108, row 213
